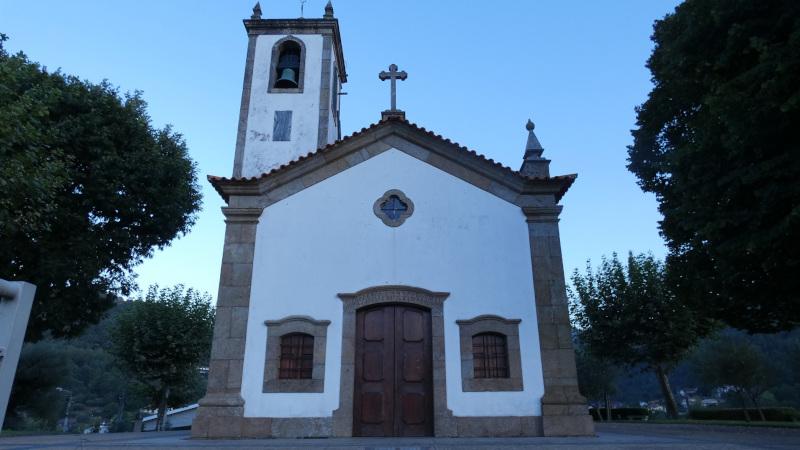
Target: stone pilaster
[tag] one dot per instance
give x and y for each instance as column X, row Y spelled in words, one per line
column 244, row 109
column 564, row 411
column 222, row 409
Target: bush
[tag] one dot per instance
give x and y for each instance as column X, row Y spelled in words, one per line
column 771, row 414
column 621, row 413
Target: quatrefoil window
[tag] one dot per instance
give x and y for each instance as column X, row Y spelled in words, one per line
column 393, row 208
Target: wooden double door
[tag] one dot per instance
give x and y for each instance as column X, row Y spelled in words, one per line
column 393, row 372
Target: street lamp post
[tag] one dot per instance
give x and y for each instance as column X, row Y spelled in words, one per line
column 68, row 393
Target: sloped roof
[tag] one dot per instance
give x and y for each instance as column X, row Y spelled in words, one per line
column 257, row 185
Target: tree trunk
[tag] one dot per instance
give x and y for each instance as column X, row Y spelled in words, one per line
column 608, row 406
column 754, row 397
column 120, row 413
column 162, row 409
column 744, row 406
column 669, row 398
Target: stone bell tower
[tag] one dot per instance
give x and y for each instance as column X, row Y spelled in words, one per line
column 290, row 97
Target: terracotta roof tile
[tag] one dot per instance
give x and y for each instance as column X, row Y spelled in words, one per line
column 216, row 180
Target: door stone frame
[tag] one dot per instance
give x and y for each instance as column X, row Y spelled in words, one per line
column 443, row 421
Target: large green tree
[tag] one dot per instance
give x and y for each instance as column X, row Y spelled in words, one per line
column 731, row 360
column 163, row 339
column 88, row 188
column 627, row 314
column 717, row 142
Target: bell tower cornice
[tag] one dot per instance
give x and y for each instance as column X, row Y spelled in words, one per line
column 325, row 27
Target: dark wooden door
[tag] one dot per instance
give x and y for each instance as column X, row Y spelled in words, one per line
column 393, row 381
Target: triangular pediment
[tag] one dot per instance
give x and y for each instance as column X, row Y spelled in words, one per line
column 399, row 134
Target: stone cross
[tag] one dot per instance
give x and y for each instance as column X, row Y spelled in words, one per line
column 393, row 75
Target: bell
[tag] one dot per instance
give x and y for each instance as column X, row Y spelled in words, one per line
column 288, row 79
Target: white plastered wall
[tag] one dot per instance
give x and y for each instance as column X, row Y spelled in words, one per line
column 261, row 153
column 326, row 239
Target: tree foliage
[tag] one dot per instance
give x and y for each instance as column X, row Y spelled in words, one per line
column 88, row 188
column 163, row 339
column 731, row 360
column 100, row 387
column 596, row 377
column 41, row 369
column 716, row 142
column 628, row 315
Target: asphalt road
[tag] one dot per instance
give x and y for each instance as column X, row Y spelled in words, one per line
column 609, row 436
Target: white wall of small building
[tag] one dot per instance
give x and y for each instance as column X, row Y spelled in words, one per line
column 326, row 239
column 261, row 153
column 175, row 418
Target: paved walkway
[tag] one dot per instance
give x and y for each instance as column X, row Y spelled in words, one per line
column 610, row 436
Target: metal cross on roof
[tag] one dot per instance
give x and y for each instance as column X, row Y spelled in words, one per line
column 393, row 75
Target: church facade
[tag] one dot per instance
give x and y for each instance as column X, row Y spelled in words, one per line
column 390, row 283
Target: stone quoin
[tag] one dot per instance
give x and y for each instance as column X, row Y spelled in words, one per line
column 389, row 283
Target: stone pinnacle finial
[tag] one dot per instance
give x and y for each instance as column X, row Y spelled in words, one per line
column 533, row 147
column 533, row 165
column 256, row 11
column 328, row 11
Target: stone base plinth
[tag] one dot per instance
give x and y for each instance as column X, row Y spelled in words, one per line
column 499, row 426
column 564, row 411
column 218, row 423
column 568, row 425
column 227, row 427
column 219, row 416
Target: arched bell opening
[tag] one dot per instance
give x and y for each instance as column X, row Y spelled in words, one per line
column 286, row 72
column 288, row 67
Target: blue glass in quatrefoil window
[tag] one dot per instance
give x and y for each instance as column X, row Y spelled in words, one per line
column 393, row 207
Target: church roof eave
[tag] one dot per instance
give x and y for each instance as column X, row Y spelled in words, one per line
column 557, row 185
column 481, row 171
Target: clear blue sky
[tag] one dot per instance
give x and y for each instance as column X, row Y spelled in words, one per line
column 477, row 72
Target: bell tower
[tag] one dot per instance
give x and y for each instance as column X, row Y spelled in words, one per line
column 290, row 97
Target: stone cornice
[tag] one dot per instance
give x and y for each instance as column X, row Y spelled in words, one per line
column 241, row 215
column 542, row 213
column 257, row 27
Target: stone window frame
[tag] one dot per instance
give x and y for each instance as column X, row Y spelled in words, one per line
column 295, row 324
column 489, row 323
column 273, row 66
column 376, row 208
